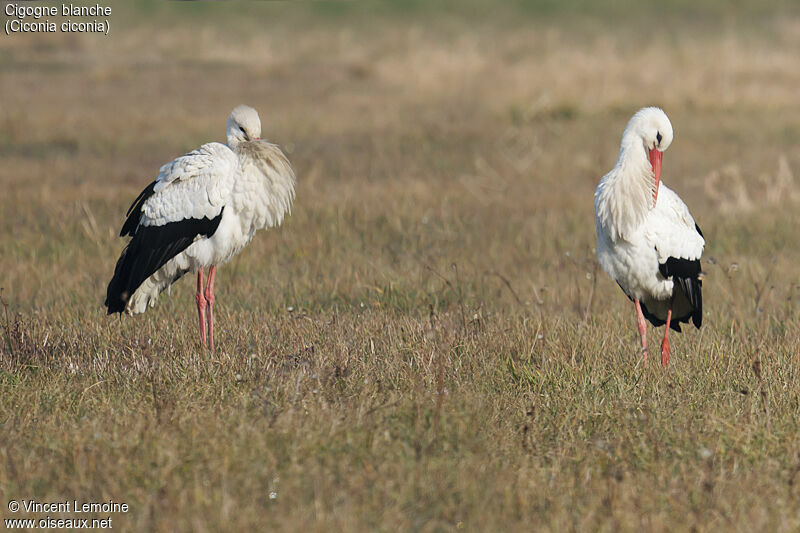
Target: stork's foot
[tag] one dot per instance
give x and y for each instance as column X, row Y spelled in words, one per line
column 644, row 355
column 664, row 352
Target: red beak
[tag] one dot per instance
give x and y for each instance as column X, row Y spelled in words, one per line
column 655, row 162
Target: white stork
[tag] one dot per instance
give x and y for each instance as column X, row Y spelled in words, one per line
column 646, row 239
column 200, row 211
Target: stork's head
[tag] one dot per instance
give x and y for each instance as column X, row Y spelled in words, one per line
column 650, row 127
column 243, row 125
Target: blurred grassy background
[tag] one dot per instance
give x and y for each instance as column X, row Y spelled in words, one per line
column 453, row 358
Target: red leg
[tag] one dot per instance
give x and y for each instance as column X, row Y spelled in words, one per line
column 665, row 342
column 201, row 306
column 642, row 328
column 210, row 299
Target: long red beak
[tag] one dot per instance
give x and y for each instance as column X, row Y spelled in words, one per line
column 655, row 162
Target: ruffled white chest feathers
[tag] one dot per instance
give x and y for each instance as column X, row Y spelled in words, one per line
column 264, row 191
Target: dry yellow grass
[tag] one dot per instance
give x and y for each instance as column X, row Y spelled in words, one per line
column 454, row 359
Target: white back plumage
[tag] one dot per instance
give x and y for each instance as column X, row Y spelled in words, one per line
column 195, row 185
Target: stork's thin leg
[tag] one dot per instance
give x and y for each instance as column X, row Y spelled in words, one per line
column 642, row 328
column 201, row 306
column 210, row 299
column 665, row 342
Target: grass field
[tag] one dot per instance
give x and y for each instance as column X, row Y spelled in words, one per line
column 428, row 343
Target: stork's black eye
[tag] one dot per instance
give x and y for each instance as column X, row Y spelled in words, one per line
column 658, row 137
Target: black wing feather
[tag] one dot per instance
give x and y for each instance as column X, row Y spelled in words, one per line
column 134, row 213
column 150, row 248
column 698, row 230
column 687, row 273
column 682, row 268
column 693, row 289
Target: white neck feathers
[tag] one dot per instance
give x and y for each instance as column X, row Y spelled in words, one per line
column 625, row 195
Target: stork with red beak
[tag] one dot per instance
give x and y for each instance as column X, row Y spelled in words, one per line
column 647, row 240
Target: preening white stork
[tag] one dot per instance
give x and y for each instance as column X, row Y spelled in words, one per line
column 200, row 211
column 646, row 239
